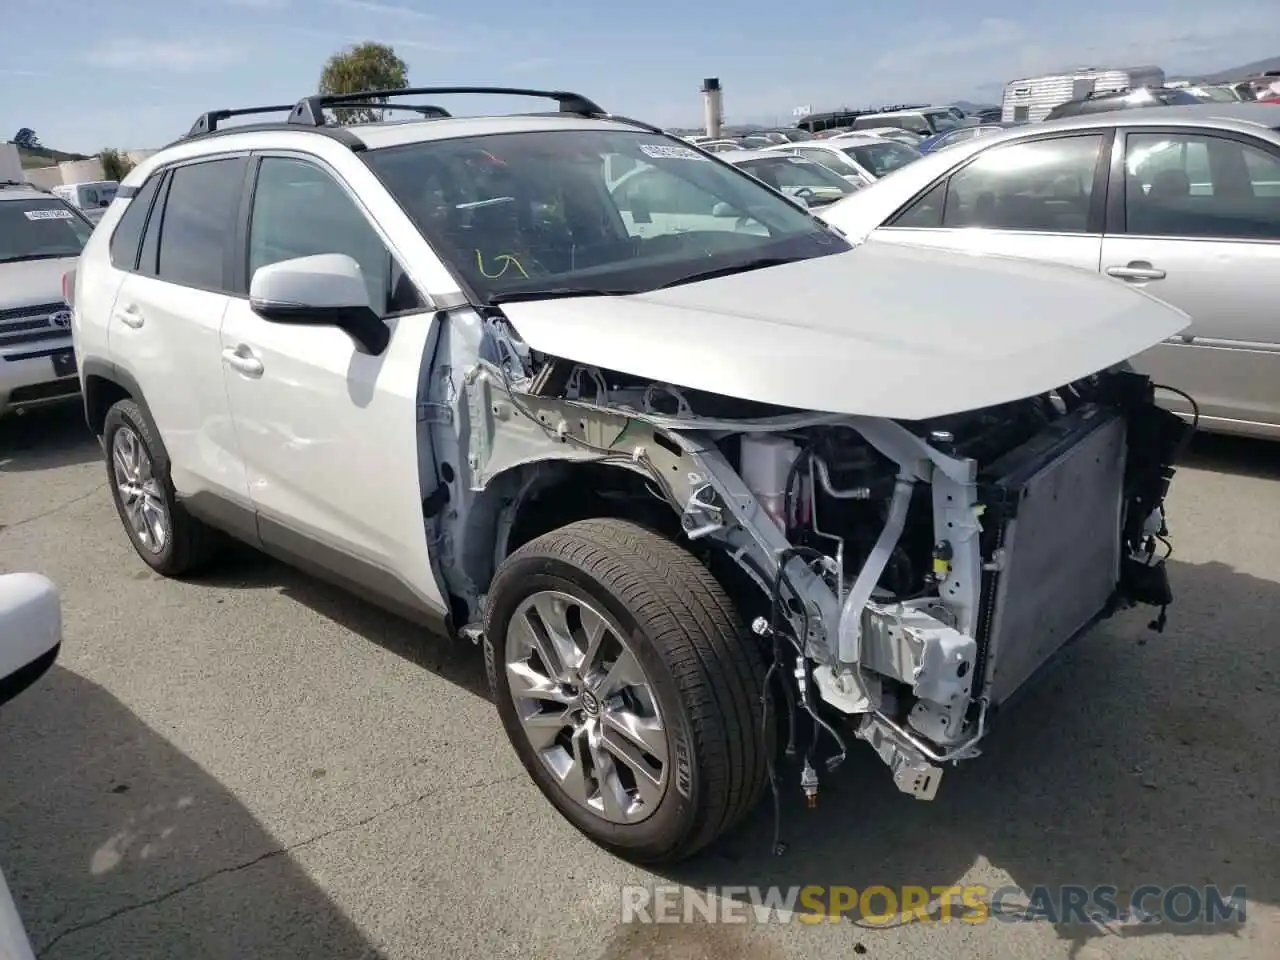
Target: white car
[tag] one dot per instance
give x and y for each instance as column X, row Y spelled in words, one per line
column 855, row 157
column 30, row 638
column 794, row 176
column 910, row 138
column 434, row 361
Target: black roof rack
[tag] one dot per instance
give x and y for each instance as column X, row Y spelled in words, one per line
column 309, row 111
column 208, row 122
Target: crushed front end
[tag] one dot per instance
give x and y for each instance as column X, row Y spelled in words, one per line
column 912, row 576
column 929, row 572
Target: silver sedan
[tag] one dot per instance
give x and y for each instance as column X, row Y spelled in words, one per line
column 1182, row 202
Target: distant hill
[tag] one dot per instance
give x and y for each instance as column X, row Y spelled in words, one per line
column 968, row 106
column 45, row 157
column 1242, row 72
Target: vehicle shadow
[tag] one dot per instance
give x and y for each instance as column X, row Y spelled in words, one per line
column 1144, row 758
column 46, row 439
column 117, row 845
column 1243, row 456
column 459, row 661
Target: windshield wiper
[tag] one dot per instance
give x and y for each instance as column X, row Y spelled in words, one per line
column 758, row 264
column 552, row 293
column 23, row 257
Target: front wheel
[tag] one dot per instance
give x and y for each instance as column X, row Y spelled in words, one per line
column 628, row 688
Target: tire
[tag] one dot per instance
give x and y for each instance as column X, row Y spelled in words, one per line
column 704, row 675
column 187, row 544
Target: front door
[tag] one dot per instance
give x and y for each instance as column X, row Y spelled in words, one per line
column 1197, row 224
column 1034, row 199
column 328, row 432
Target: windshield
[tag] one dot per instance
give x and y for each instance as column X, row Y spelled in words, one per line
column 42, row 228
column 528, row 214
column 799, row 177
column 942, row 120
column 882, row 158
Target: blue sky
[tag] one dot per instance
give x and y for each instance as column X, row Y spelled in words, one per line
column 136, row 73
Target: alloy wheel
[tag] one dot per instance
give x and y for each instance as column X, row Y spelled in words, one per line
column 586, row 706
column 139, row 490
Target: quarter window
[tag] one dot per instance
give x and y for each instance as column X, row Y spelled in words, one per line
column 199, row 217
column 1191, row 185
column 1039, row 186
column 301, row 211
column 123, row 248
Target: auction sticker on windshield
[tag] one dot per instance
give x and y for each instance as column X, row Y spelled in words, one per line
column 662, row 151
column 54, row 214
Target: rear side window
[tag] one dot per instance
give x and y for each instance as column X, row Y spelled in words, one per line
column 199, row 222
column 1038, row 186
column 128, row 234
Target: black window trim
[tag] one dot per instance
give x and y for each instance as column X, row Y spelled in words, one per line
column 157, row 177
column 165, row 171
column 239, row 252
column 1116, row 223
column 1097, row 198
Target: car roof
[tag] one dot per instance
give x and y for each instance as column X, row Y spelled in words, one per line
column 1240, row 116
column 21, row 191
column 738, row 156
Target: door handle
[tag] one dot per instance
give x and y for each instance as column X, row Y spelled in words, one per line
column 130, row 316
column 1136, row 270
column 242, row 360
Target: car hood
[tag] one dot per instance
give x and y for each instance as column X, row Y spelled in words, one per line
column 30, row 282
column 881, row 330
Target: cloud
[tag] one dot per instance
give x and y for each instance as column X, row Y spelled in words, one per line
column 129, row 53
column 386, row 9
column 527, row 66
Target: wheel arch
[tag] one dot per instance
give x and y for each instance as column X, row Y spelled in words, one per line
column 104, row 385
column 528, row 500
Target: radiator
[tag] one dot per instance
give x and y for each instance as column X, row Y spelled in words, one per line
column 1058, row 503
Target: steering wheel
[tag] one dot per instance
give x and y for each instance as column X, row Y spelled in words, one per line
column 805, row 192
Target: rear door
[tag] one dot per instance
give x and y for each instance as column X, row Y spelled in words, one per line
column 1194, row 219
column 1041, row 198
column 165, row 325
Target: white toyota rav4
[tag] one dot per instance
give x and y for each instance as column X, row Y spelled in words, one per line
column 693, row 488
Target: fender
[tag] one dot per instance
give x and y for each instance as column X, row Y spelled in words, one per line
column 95, row 376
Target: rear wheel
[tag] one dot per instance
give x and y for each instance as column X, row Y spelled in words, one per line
column 166, row 537
column 628, row 688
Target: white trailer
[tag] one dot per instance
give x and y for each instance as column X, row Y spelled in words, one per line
column 1031, row 98
column 11, row 163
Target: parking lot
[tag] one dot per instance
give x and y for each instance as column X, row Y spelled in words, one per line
column 255, row 765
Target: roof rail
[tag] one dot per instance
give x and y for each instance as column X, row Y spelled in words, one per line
column 208, row 122
column 309, row 111
column 426, row 110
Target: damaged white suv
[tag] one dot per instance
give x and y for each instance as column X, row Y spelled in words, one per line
column 694, row 469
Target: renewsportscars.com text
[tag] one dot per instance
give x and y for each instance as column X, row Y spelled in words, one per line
column 1180, row 905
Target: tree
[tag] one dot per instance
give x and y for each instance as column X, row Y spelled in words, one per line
column 27, row 139
column 364, row 66
column 115, row 165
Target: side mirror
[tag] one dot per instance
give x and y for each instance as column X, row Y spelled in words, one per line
column 326, row 290
column 30, row 630
column 723, row 209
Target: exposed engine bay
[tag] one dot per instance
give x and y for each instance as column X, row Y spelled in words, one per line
column 910, row 576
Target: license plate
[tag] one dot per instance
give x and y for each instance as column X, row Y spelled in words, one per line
column 64, row 363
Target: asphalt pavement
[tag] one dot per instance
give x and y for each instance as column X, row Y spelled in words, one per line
column 256, row 765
